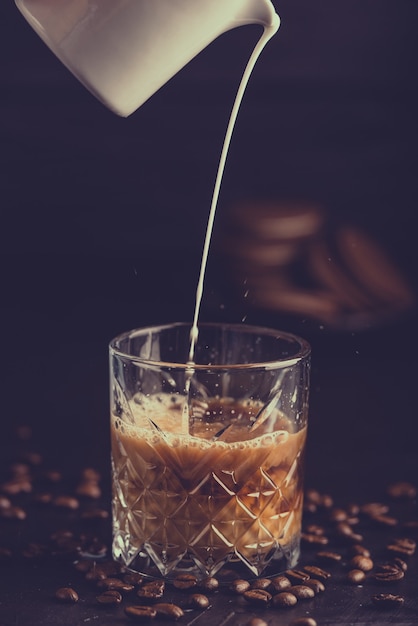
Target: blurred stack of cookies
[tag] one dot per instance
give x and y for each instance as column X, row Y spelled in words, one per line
column 291, row 258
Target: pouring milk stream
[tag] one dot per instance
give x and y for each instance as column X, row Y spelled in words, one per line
column 123, row 51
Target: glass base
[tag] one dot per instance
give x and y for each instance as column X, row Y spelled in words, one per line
column 229, row 568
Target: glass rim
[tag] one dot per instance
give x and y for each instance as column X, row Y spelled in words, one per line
column 302, row 354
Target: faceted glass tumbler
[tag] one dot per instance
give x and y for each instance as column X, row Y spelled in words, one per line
column 207, row 457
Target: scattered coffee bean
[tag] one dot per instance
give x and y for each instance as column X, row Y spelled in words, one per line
column 387, row 600
column 372, row 509
column 303, row 621
column 239, row 586
column 140, row 613
column 261, row 583
column 168, row 610
column 302, row 592
column 198, row 601
column 402, row 547
column 359, row 549
column 315, row 584
column 338, row 515
column 317, row 572
column 185, row 581
column 5, row 502
column 133, row 578
column 384, row 520
column 388, row 574
column 13, row 513
column 315, row 529
column 297, row 576
column 280, row 583
column 328, row 557
column 356, row 576
column 257, row 621
column 111, row 597
column 95, row 514
column 310, row 538
column 34, row 551
column 398, row 562
column 284, row 600
column 401, row 489
column 66, row 502
column 152, row 590
column 209, row 584
column 115, row 583
column 66, row 595
column 362, row 562
column 258, row 597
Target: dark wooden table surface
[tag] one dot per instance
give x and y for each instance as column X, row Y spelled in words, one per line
column 102, row 222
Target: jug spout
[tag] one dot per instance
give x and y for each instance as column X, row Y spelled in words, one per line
column 258, row 12
column 123, row 51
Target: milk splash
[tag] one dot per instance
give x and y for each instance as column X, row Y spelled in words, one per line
column 268, row 33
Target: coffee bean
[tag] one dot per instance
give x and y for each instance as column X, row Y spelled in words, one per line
column 372, row 509
column 317, row 585
column 42, row 498
column 388, row 574
column 17, row 486
column 111, row 597
column 356, row 576
column 384, row 520
column 261, row 583
column 297, row 576
column 361, row 562
column 257, row 621
column 312, row 539
column 5, row 503
column 353, row 509
column 284, row 600
column 198, row 601
column 328, row 557
column 359, row 549
column 133, row 578
column 209, row 584
column 387, row 600
column 95, row 514
column 303, row 621
column 315, row 529
column 338, row 515
column 168, row 610
column 258, row 597
column 83, row 566
column 403, row 546
column 66, row 502
column 400, row 563
column 66, row 595
column 280, row 583
column 89, row 489
column 317, row 572
column 302, row 592
column 152, row 590
column 140, row 613
column 239, row 586
column 114, row 583
column 34, row 550
column 185, row 581
column 403, row 490
column 13, row 513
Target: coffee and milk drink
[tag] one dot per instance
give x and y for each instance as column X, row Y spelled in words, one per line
column 220, row 494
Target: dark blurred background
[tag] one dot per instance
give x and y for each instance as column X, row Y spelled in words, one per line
column 103, row 219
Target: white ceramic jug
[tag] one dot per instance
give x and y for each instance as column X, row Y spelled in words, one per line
column 123, row 51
